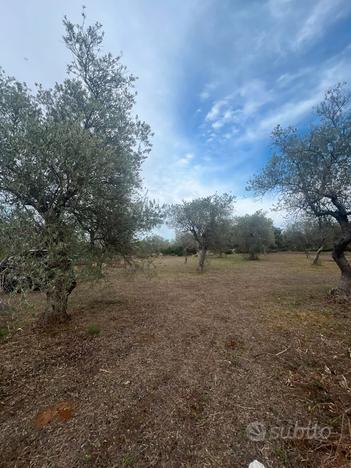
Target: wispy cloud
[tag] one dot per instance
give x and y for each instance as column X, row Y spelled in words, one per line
column 289, row 99
column 322, row 16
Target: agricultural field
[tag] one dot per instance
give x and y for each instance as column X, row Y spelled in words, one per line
column 170, row 368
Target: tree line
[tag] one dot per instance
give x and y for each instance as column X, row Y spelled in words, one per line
column 250, row 235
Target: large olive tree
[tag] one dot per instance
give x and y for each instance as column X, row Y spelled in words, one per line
column 311, row 170
column 70, row 157
column 204, row 219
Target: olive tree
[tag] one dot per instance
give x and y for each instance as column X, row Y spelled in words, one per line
column 311, row 170
column 279, row 241
column 187, row 243
column 203, row 218
column 223, row 238
column 152, row 245
column 70, row 156
column 309, row 233
column 253, row 234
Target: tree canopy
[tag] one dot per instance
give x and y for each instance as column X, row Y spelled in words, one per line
column 70, row 156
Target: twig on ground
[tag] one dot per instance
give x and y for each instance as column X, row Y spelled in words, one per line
column 284, row 350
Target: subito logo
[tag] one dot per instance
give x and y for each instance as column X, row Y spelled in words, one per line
column 256, row 431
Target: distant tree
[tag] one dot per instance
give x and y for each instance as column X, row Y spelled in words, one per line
column 202, row 217
column 70, row 158
column 254, row 234
column 323, row 234
column 187, row 242
column 279, row 238
column 153, row 245
column 311, row 234
column 223, row 239
column 296, row 237
column 311, row 171
column 173, row 249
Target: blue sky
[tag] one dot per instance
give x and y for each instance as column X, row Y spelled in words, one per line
column 215, row 76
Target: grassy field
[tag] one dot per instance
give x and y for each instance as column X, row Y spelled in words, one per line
column 167, row 368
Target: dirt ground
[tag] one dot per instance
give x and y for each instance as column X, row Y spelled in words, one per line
column 169, row 369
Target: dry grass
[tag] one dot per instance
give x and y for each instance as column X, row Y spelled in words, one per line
column 181, row 365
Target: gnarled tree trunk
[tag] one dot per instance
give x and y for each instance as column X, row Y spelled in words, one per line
column 56, row 307
column 344, row 288
column 318, row 253
column 61, row 284
column 60, row 277
column 202, row 258
column 185, row 254
column 253, row 254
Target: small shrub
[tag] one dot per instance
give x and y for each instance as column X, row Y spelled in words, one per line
column 94, row 330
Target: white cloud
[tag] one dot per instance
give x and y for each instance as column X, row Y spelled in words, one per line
column 208, row 90
column 287, row 79
column 215, row 110
column 324, row 13
column 293, row 111
column 185, row 160
column 303, row 90
column 239, row 106
column 218, row 124
column 204, row 95
column 289, row 113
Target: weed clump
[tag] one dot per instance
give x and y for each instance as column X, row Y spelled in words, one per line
column 3, row 333
column 94, row 330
